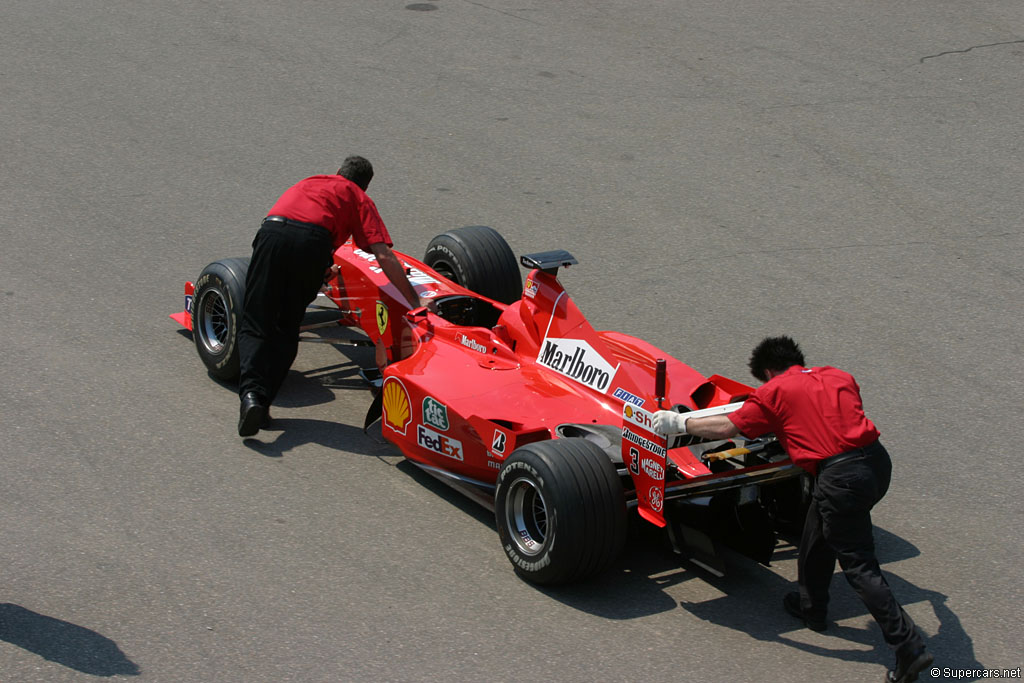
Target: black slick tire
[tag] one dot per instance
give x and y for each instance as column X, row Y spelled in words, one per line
column 217, row 314
column 560, row 511
column 478, row 258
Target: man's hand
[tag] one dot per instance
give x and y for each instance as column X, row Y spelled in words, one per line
column 394, row 272
column 669, row 422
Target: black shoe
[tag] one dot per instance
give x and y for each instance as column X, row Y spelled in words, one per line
column 908, row 666
column 251, row 414
column 267, row 420
column 791, row 602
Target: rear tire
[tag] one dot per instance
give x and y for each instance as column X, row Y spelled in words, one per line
column 560, row 511
column 478, row 258
column 217, row 314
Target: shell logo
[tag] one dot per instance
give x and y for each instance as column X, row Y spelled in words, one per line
column 628, row 410
column 397, row 413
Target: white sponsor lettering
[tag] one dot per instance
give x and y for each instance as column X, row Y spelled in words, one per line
column 653, row 469
column 643, row 442
column 438, row 443
column 577, row 360
column 366, row 256
column 627, row 397
column 471, row 343
column 638, row 416
column 418, row 277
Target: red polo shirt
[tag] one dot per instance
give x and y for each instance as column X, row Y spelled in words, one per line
column 337, row 204
column 815, row 413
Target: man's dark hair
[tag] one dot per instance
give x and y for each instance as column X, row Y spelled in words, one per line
column 358, row 170
column 776, row 354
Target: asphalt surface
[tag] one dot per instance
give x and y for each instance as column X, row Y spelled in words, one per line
column 846, row 172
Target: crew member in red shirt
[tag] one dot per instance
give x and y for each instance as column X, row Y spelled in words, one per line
column 291, row 255
column 817, row 416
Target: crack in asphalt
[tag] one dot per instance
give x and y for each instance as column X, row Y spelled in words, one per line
column 501, row 11
column 973, row 47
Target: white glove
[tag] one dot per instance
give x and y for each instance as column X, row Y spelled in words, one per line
column 668, row 422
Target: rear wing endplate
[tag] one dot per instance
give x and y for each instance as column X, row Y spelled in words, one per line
column 548, row 261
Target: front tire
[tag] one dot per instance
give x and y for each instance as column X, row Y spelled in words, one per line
column 560, row 511
column 217, row 314
column 478, row 258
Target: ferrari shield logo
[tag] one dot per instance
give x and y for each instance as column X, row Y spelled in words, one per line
column 382, row 317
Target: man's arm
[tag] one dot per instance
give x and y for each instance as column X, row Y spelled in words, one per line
column 711, row 427
column 394, row 271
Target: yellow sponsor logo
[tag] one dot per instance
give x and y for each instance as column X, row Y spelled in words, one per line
column 396, row 406
column 382, row 317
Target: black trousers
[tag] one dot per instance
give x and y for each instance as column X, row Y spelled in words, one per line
column 285, row 274
column 838, row 526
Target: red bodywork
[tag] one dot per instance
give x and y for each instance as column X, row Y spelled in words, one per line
column 459, row 398
column 465, row 386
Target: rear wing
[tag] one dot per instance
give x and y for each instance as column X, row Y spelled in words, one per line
column 548, row 261
column 645, row 453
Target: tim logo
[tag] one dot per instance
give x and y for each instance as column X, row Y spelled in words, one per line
column 188, row 303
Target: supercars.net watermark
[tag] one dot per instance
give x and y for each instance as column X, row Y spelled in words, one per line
column 972, row 674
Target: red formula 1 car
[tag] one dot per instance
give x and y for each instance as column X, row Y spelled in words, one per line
column 508, row 394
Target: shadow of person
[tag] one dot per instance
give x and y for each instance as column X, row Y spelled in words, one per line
column 752, row 604
column 58, row 641
column 295, row 432
column 315, row 387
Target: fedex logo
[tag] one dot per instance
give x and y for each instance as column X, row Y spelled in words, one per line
column 438, row 443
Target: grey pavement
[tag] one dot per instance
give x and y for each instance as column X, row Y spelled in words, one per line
column 846, row 172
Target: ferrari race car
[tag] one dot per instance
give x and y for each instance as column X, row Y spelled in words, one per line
column 508, row 394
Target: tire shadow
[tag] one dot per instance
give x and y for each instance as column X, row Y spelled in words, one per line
column 63, row 643
column 633, row 587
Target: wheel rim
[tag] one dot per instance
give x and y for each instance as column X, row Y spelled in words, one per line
column 445, row 269
column 213, row 321
column 527, row 516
